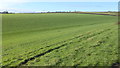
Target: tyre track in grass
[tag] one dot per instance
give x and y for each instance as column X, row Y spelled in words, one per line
column 29, row 43
column 52, row 45
column 63, row 43
column 50, row 50
column 23, row 63
column 35, row 52
column 17, row 60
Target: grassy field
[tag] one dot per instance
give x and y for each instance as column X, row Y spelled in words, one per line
column 59, row 39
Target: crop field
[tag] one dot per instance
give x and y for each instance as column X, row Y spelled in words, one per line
column 59, row 39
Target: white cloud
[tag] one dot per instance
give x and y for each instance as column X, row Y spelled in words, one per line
column 6, row 4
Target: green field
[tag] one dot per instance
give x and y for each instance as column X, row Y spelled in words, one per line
column 59, row 39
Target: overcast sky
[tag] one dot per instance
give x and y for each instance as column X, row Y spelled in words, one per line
column 38, row 5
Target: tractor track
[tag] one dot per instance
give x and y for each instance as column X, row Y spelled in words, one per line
column 65, row 42
column 50, row 50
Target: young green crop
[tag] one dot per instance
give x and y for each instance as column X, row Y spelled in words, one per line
column 42, row 39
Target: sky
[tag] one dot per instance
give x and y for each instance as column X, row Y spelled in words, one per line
column 58, row 5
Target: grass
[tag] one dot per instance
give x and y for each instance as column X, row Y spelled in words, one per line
column 59, row 39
